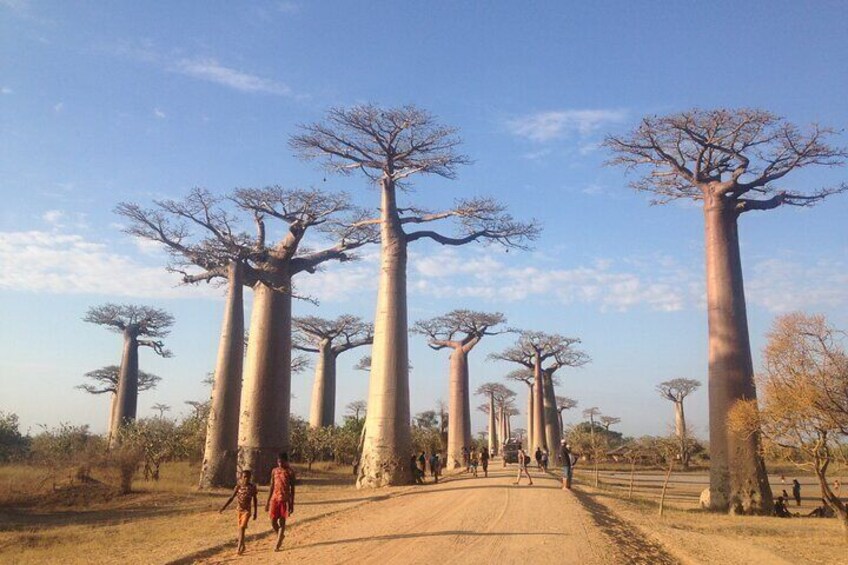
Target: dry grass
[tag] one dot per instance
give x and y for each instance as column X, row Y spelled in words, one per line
column 160, row 521
column 697, row 536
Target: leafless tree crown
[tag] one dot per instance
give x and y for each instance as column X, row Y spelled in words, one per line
column 565, row 403
column 105, row 380
column 559, row 350
column 676, row 390
column 137, row 321
column 390, row 145
column 345, row 332
column 741, row 155
column 459, row 328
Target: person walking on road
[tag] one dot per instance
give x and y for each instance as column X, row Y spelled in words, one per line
column 473, row 462
column 435, row 466
column 796, row 492
column 280, row 503
column 545, row 461
column 523, row 460
column 484, row 461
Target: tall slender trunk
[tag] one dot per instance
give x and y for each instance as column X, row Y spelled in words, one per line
column 553, row 434
column 323, row 410
column 126, row 401
column 738, row 479
column 459, row 417
column 493, row 434
column 561, row 424
column 266, row 392
column 388, row 445
column 530, row 416
column 538, row 407
column 222, row 429
column 680, row 430
column 113, row 402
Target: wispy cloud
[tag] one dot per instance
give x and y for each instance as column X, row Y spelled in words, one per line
column 157, row 112
column 547, row 126
column 781, row 285
column 59, row 107
column 6, row 90
column 210, row 70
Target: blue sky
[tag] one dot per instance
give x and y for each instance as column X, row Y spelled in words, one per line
column 104, row 102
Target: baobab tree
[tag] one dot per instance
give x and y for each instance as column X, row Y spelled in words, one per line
column 608, row 421
column 161, row 408
column 532, row 351
column 356, row 408
column 564, row 403
column 460, row 331
column 140, row 326
column 676, row 390
column 489, row 389
column 221, row 252
column 390, row 146
column 263, row 388
column 526, row 376
column 105, row 380
column 329, row 339
column 733, row 161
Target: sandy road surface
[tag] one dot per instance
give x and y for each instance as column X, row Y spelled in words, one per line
column 461, row 520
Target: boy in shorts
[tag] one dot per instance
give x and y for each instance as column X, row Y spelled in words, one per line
column 280, row 503
column 244, row 493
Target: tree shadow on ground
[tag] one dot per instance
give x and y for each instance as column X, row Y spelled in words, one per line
column 411, row 535
column 626, row 539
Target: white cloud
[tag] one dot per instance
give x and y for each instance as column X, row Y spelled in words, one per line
column 449, row 273
column 209, row 69
column 782, row 285
column 547, row 126
column 159, row 113
column 53, row 217
column 6, row 90
column 59, row 107
column 55, row 263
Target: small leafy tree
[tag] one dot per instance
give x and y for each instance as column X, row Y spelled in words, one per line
column 13, row 444
column 157, row 440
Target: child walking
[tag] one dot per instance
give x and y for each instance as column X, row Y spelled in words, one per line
column 244, row 493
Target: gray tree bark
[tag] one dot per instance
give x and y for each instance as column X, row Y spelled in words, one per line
column 493, row 432
column 323, row 409
column 459, row 408
column 553, row 433
column 539, row 439
column 738, row 479
column 220, row 457
column 387, row 440
column 680, row 431
column 266, row 388
column 530, row 416
column 126, row 402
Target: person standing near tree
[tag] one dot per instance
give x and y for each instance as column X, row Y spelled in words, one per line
column 435, row 466
column 280, row 503
column 484, row 461
column 244, row 493
column 523, row 460
column 567, row 465
column 538, row 457
column 796, row 492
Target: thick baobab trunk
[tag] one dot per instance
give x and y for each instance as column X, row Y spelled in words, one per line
column 126, row 401
column 459, row 409
column 680, row 431
column 323, row 411
column 493, row 433
column 738, row 479
column 388, row 445
column 266, row 388
column 220, row 457
column 530, row 417
column 553, row 434
column 538, row 408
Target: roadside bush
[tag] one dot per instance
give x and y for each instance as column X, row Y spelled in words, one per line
column 67, row 448
column 14, row 446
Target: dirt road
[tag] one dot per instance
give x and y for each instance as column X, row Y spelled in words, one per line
column 465, row 520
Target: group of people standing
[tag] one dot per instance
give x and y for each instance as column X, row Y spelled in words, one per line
column 419, row 467
column 567, row 458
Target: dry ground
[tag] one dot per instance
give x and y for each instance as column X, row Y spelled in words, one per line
column 460, row 520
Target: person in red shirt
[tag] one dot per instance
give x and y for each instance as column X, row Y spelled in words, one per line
column 280, row 503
